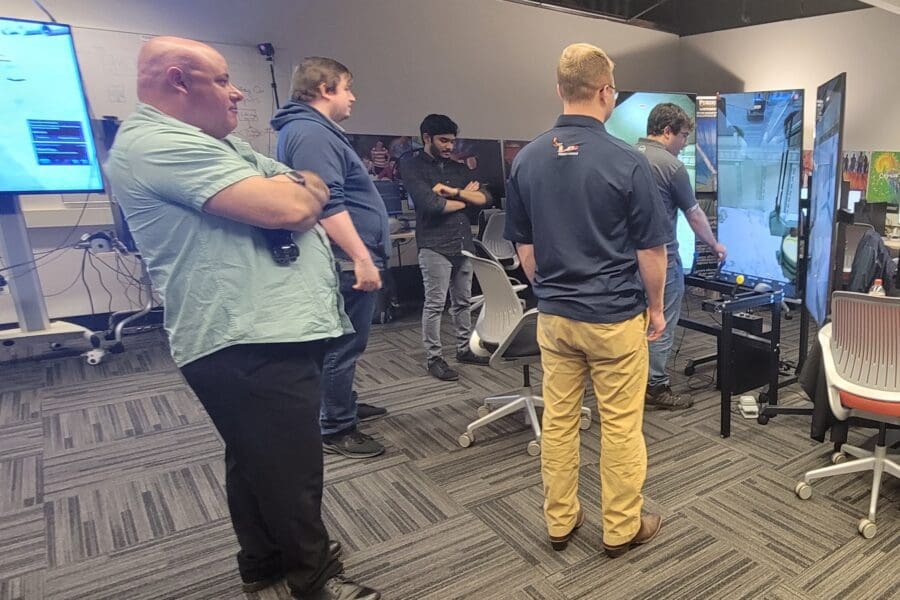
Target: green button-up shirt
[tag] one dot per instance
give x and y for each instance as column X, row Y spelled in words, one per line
column 216, row 277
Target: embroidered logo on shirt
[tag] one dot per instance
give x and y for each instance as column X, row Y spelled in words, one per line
column 563, row 150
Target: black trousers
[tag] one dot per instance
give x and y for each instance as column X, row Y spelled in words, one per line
column 264, row 400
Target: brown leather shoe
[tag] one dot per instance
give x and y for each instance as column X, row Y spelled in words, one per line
column 650, row 526
column 560, row 542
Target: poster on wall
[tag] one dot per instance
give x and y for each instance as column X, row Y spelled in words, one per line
column 706, row 144
column 380, row 153
column 855, row 169
column 884, row 178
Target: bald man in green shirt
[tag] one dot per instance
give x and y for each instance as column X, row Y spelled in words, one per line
column 247, row 333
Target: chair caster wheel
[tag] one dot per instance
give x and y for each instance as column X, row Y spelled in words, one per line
column 466, row 440
column 838, row 458
column 94, row 357
column 585, row 423
column 803, row 490
column 762, row 419
column 483, row 411
column 534, row 448
column 867, row 528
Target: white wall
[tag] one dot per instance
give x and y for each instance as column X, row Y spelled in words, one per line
column 488, row 63
column 805, row 53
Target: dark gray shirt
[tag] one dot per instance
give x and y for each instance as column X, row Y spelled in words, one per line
column 673, row 181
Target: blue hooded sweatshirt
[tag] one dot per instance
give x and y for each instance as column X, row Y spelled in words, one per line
column 309, row 141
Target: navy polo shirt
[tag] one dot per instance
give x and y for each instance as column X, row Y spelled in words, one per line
column 587, row 201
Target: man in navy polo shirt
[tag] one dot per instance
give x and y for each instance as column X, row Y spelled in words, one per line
column 668, row 128
column 591, row 233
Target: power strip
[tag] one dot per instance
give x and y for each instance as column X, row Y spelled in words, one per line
column 748, row 407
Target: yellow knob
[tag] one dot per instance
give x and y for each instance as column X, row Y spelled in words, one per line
column 739, row 279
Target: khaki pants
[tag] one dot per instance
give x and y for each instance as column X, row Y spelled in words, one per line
column 615, row 356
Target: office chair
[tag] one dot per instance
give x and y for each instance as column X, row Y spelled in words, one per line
column 861, row 351
column 482, row 252
column 500, row 248
column 509, row 335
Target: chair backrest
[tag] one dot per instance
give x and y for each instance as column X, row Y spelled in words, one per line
column 493, row 238
column 502, row 309
column 865, row 340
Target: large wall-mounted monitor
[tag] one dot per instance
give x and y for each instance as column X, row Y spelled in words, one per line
column 824, row 195
column 46, row 140
column 759, row 144
column 629, row 123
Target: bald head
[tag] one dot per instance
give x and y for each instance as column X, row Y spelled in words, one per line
column 188, row 80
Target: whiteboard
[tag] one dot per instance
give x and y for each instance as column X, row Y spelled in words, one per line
column 108, row 62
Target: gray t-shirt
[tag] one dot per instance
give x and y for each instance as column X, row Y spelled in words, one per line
column 218, row 282
column 673, row 181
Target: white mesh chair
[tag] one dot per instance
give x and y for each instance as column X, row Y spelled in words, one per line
column 500, row 248
column 509, row 335
column 475, row 302
column 861, row 351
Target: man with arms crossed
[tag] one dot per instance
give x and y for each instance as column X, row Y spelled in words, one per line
column 589, row 226
column 442, row 190
column 668, row 129
column 246, row 333
column 356, row 220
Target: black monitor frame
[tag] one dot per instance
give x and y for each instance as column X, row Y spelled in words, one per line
column 834, row 270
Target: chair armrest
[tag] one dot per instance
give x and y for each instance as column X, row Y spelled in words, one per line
column 832, row 379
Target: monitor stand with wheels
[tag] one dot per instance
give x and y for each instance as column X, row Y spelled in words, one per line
column 35, row 327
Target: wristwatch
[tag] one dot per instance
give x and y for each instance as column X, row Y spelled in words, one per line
column 296, row 177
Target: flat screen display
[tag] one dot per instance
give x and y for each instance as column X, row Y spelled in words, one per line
column 824, row 195
column 46, row 140
column 629, row 123
column 759, row 144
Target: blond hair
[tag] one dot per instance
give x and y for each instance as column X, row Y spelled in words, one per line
column 583, row 70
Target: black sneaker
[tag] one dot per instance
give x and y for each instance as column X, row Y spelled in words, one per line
column 353, row 444
column 439, row 368
column 341, row 588
column 367, row 412
column 255, row 585
column 661, row 397
column 471, row 358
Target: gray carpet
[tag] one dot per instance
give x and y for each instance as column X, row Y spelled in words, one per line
column 111, row 486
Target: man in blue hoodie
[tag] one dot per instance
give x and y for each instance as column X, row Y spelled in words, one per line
column 355, row 219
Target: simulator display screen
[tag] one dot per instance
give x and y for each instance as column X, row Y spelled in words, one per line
column 629, row 123
column 759, row 138
column 824, row 195
column 46, row 141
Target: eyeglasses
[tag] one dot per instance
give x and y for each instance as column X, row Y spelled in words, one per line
column 613, row 88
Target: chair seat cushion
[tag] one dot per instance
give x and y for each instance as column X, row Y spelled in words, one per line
column 879, row 407
column 525, row 343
